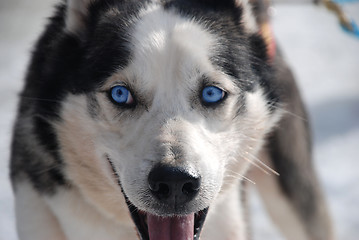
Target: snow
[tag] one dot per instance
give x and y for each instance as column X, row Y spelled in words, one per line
column 325, row 61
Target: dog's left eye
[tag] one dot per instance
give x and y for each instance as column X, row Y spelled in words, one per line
column 121, row 95
column 212, row 94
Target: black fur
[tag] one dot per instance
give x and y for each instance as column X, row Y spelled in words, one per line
column 65, row 63
column 290, row 149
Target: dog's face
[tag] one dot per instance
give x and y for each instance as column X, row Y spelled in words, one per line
column 168, row 105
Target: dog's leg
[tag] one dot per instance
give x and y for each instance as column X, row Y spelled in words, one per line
column 279, row 207
column 35, row 221
column 226, row 218
column 80, row 220
column 293, row 199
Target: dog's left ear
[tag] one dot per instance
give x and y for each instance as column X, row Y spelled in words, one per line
column 76, row 15
column 244, row 8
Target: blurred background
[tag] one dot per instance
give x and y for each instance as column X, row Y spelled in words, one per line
column 325, row 61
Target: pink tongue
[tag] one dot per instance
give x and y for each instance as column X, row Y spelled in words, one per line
column 170, row 228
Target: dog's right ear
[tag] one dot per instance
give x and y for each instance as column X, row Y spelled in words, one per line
column 76, row 15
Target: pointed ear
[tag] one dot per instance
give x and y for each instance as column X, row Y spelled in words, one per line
column 248, row 18
column 76, row 14
column 245, row 6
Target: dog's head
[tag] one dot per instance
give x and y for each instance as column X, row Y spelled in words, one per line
column 166, row 101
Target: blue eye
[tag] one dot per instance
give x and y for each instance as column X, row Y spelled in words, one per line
column 212, row 94
column 121, row 95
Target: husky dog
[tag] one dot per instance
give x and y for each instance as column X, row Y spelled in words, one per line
column 142, row 119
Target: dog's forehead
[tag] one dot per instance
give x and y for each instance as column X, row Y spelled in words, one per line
column 168, row 49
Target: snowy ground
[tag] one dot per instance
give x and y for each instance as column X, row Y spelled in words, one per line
column 324, row 59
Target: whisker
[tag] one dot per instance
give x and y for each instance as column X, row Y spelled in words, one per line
column 290, row 113
column 44, row 170
column 263, row 164
column 39, row 99
column 240, row 176
column 255, row 164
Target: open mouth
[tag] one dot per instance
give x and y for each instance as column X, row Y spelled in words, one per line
column 152, row 227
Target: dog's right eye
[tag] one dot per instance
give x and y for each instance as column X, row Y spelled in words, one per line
column 121, row 96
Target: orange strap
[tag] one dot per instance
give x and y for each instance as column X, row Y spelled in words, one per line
column 268, row 36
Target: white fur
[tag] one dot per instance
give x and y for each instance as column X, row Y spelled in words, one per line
column 225, row 219
column 35, row 220
column 248, row 18
column 80, row 220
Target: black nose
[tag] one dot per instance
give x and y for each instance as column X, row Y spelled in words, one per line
column 173, row 185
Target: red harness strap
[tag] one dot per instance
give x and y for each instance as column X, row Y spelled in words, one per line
column 267, row 33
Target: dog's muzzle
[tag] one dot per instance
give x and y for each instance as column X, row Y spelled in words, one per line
column 172, row 189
